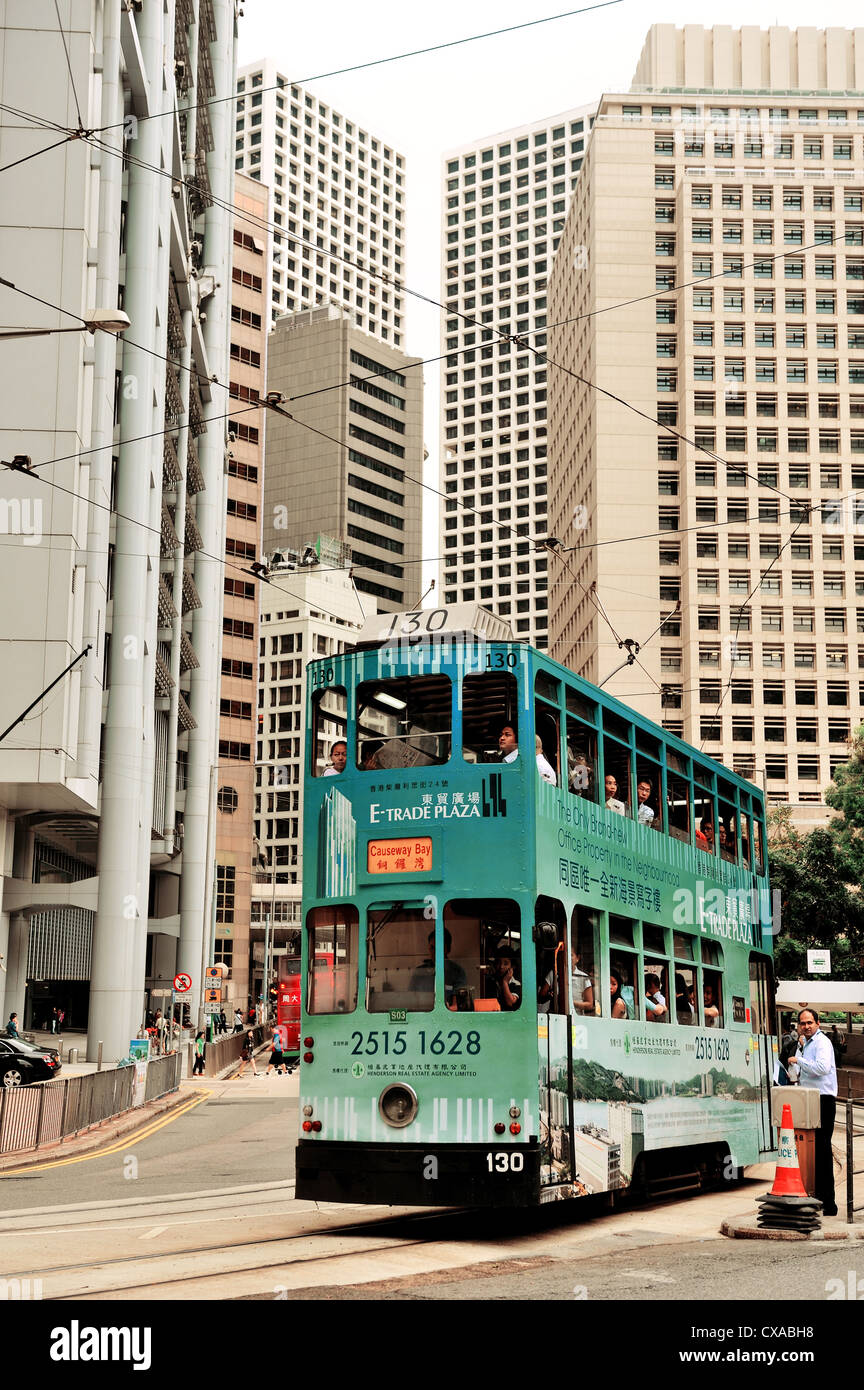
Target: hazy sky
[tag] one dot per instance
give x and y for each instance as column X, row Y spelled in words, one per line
column 423, row 106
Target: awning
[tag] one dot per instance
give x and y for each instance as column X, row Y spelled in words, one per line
column 847, row 996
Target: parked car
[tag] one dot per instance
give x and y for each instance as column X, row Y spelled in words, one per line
column 22, row 1063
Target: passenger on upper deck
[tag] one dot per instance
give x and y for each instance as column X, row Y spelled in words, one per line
column 707, row 831
column 547, row 772
column 579, row 773
column 619, row 1004
column 655, row 1002
column 645, row 813
column 338, row 758
column 612, row 802
column 508, row 746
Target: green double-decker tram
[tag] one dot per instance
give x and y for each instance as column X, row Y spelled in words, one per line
column 537, row 946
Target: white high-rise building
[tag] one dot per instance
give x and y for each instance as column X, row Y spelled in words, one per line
column 504, row 201
column 336, row 187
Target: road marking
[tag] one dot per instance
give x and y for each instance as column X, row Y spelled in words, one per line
column 125, row 1143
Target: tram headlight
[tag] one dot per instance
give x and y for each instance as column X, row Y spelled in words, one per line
column 398, row 1105
column 307, row 1110
column 515, row 1112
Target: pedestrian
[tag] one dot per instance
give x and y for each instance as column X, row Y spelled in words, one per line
column 787, row 1071
column 838, row 1045
column 200, row 1049
column 61, row 1015
column 238, row 1021
column 248, row 1054
column 223, row 1022
column 54, row 1020
column 277, row 1058
column 12, row 1026
column 815, row 1058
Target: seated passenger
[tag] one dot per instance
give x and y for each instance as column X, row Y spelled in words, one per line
column 508, row 990
column 619, row 1005
column 338, row 758
column 612, row 802
column 547, row 772
column 683, row 1006
column 581, row 986
column 645, row 813
column 655, row 1003
column 707, row 829
column 712, row 1013
column 700, row 838
column 508, row 747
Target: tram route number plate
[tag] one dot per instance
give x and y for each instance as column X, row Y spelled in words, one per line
column 398, row 1015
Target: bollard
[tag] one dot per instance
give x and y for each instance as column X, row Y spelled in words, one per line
column 72, row 1059
column 99, row 1057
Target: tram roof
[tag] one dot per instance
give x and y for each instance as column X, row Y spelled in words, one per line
column 460, row 619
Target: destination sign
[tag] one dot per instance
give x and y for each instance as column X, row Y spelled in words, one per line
column 408, row 856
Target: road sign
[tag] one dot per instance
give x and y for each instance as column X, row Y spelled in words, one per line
column 212, row 1008
column 819, row 962
column 182, row 983
column 212, row 996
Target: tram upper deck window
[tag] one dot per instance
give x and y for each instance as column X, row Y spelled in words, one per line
column 726, row 831
column 581, row 745
column 546, row 722
column 678, row 806
column 486, row 950
column 703, row 817
column 329, row 724
column 745, row 833
column 331, row 973
column 616, row 773
column 400, row 958
column 403, row 722
column 489, row 706
column 757, row 845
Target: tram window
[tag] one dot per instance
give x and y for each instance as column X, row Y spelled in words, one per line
column 726, row 832
column 682, row 945
column 329, row 727
column 403, row 723
column 552, row 969
column 703, row 817
column 400, row 958
column 712, row 953
column 546, row 721
column 656, row 990
column 624, row 986
column 712, row 998
column 581, row 759
column 331, row 975
column 547, row 687
column 678, row 803
column 484, row 931
column 489, row 702
column 757, row 845
column 649, row 808
column 620, row 931
column 577, row 704
column 654, row 938
column 745, row 838
column 616, row 770
column 686, row 1011
column 584, row 934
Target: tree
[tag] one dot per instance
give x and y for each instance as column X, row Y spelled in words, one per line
column 846, row 797
column 821, row 901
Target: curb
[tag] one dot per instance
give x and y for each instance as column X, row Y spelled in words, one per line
column 750, row 1231
column 94, row 1139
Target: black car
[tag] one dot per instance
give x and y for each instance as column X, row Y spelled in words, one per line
column 21, row 1062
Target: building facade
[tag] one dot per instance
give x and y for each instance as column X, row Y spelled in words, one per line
column 106, row 788
column 338, row 203
column 504, row 200
column 238, row 712
column 308, row 611
column 721, row 205
column 349, row 464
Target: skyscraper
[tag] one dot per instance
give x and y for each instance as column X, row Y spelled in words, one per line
column 336, row 187
column 721, row 205
column 504, row 201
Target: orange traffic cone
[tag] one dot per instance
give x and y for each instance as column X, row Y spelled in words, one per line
column 787, row 1181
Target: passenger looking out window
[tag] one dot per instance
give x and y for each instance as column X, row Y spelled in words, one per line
column 508, row 989
column 508, row 746
column 612, row 802
column 619, row 1008
column 338, row 758
column 655, row 1002
column 581, row 986
column 645, row 793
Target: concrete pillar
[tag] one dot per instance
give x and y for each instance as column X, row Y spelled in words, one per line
column 119, row 934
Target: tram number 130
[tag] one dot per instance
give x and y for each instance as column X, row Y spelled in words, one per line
column 513, row 1162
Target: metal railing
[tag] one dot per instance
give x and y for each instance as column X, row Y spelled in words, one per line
column 31, row 1116
column 225, row 1050
column 851, row 1102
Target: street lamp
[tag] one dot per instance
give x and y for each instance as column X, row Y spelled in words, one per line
column 98, row 321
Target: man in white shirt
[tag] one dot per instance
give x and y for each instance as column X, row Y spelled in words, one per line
column 338, row 758
column 545, row 768
column 815, row 1059
column 645, row 813
column 508, row 748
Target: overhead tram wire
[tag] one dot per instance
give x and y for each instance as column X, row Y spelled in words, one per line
column 35, row 153
column 69, row 66
column 393, row 58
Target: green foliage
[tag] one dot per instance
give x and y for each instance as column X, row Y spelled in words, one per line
column 846, row 797
column 821, row 901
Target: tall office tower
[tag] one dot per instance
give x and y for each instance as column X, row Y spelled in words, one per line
column 308, row 611
column 724, row 194
column 338, row 204
column 238, row 706
column 352, row 468
column 504, row 201
column 112, row 585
